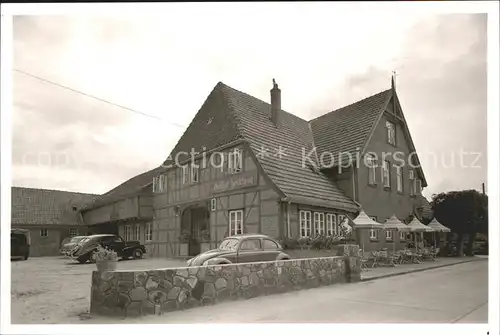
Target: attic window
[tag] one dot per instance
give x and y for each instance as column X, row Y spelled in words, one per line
column 235, row 161
column 210, row 120
column 391, row 132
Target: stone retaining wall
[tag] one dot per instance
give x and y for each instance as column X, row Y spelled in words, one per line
column 136, row 293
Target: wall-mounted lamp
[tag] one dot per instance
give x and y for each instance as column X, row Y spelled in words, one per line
column 177, row 210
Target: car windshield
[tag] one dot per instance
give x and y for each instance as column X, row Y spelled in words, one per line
column 77, row 239
column 228, row 244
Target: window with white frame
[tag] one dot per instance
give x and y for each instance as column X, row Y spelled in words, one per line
column 138, row 232
column 305, row 223
column 213, row 204
column 373, row 234
column 371, row 162
column 235, row 161
column 388, row 235
column 402, row 235
column 331, row 225
column 386, row 176
column 44, row 232
column 399, row 172
column 221, row 160
column 128, row 233
column 73, row 232
column 411, row 175
column 162, row 183
column 236, row 222
column 159, row 184
column 195, row 172
column 149, row 231
column 319, row 224
column 340, row 230
column 185, row 174
column 391, row 132
column 155, row 184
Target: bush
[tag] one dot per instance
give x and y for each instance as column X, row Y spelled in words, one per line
column 289, row 243
column 104, row 254
column 320, row 242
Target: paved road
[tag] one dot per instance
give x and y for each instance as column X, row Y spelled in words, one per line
column 457, row 293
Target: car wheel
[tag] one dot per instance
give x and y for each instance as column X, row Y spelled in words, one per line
column 91, row 257
column 137, row 254
column 82, row 260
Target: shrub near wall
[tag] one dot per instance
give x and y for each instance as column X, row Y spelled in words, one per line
column 127, row 293
column 319, row 246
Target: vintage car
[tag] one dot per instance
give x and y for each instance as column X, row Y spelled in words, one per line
column 67, row 247
column 19, row 243
column 85, row 250
column 242, row 248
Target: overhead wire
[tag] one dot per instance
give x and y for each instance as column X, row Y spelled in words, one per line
column 97, row 98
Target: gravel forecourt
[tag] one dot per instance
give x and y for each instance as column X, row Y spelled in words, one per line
column 55, row 290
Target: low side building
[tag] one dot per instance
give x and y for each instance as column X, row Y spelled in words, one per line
column 126, row 210
column 49, row 215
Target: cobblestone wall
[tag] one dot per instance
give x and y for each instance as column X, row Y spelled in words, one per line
column 128, row 293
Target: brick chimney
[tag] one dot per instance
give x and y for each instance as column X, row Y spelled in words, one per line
column 275, row 103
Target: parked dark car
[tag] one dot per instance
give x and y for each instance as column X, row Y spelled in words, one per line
column 71, row 244
column 242, row 249
column 19, row 244
column 84, row 251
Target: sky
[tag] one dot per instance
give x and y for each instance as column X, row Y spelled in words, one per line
column 167, row 65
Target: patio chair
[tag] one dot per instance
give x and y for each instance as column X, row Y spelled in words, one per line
column 374, row 258
column 417, row 257
column 434, row 252
column 405, row 256
column 364, row 260
column 425, row 254
column 398, row 257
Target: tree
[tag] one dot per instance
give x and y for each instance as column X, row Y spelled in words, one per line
column 464, row 212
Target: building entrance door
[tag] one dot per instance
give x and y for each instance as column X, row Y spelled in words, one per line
column 199, row 220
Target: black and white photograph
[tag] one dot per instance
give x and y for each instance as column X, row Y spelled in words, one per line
column 324, row 163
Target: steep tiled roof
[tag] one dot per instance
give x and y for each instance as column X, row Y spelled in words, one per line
column 131, row 186
column 297, row 182
column 347, row 129
column 32, row 206
column 229, row 114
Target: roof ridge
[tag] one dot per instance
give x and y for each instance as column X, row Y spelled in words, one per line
column 262, row 101
column 349, row 105
column 129, row 179
column 380, row 113
column 52, row 190
column 218, row 85
column 232, row 109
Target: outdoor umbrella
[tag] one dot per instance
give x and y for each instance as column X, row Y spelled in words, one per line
column 395, row 225
column 418, row 227
column 363, row 221
column 438, row 227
